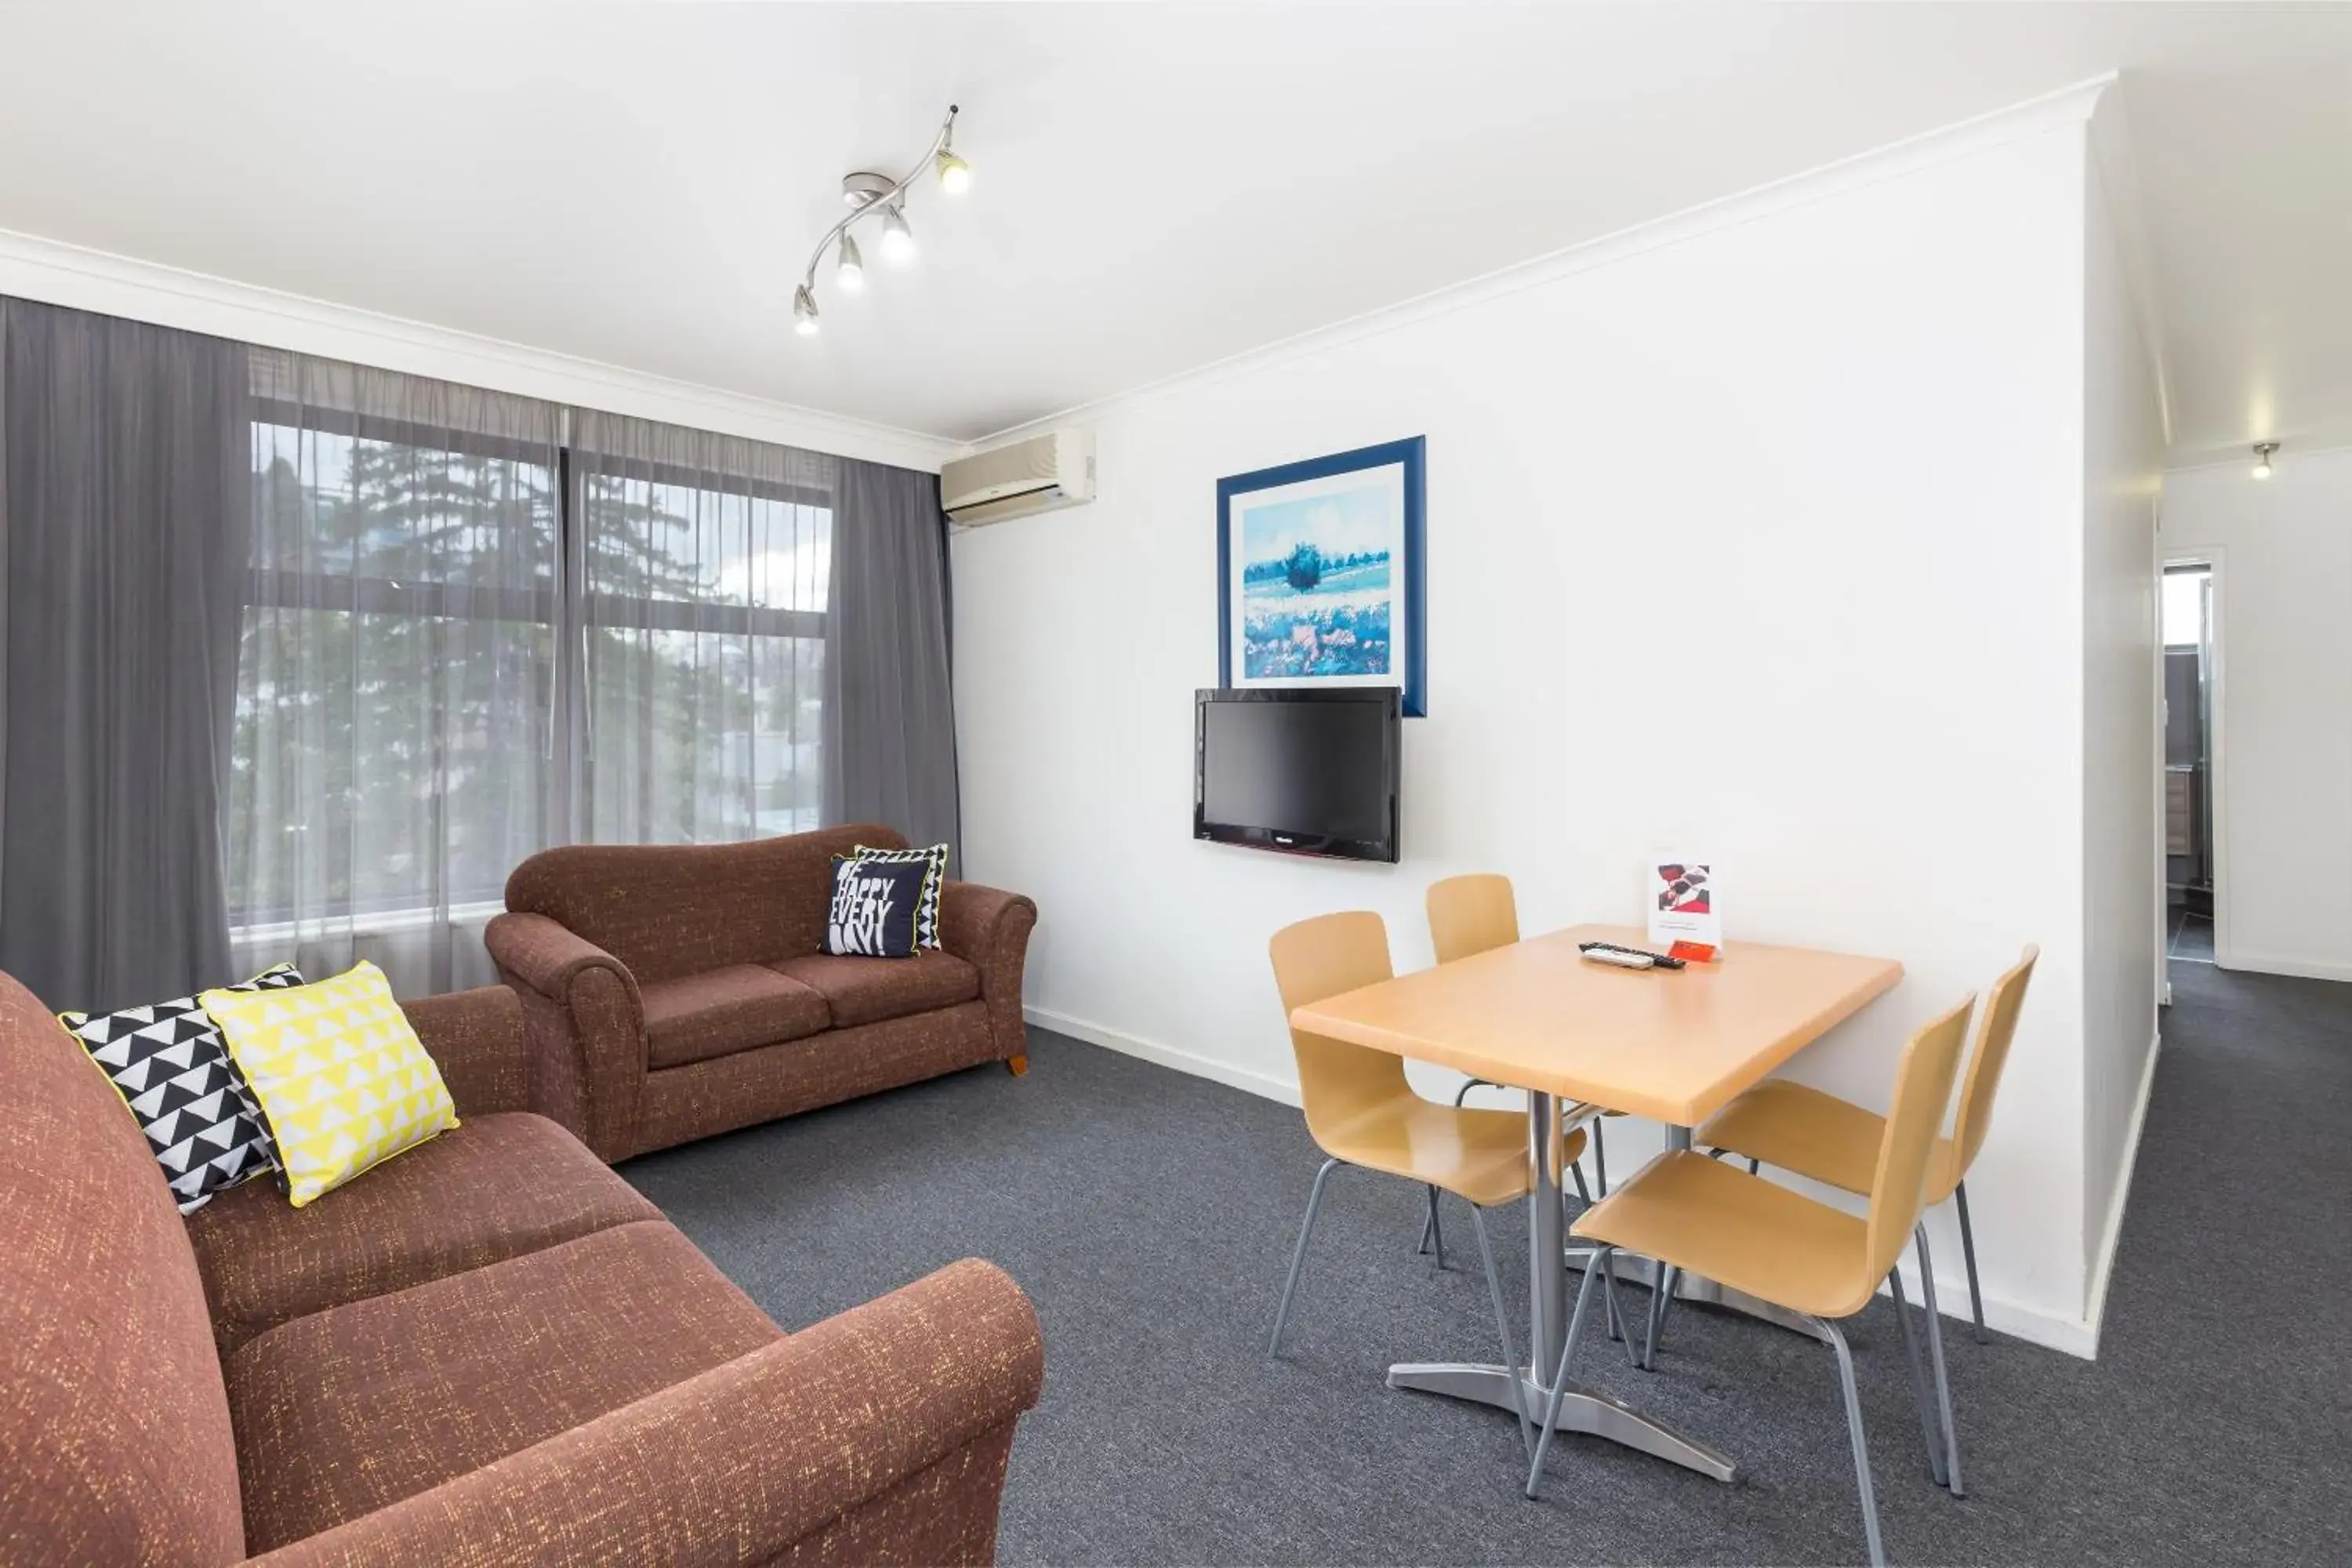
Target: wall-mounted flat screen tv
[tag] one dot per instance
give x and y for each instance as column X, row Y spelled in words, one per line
column 1304, row 771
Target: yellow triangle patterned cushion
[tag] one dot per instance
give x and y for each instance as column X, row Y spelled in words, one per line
column 341, row 1078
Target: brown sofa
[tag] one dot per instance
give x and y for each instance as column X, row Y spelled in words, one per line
column 676, row 991
column 488, row 1350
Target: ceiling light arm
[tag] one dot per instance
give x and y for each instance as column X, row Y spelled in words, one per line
column 938, row 143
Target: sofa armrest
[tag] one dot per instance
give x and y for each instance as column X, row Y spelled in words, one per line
column 587, row 1026
column 913, row 1393
column 476, row 1039
column 547, row 956
column 989, row 929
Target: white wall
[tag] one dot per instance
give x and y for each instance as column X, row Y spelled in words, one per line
column 2283, row 832
column 2123, row 458
column 1765, row 534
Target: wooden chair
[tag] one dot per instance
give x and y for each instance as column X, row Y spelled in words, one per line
column 1361, row 1112
column 1835, row 1142
column 1470, row 914
column 1696, row 1213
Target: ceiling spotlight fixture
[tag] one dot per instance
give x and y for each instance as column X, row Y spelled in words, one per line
column 866, row 195
column 2262, row 450
column 955, row 174
column 897, row 239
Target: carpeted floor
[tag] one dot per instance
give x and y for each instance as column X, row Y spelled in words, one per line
column 1151, row 1216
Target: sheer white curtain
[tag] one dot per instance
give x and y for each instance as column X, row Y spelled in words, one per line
column 394, row 749
column 703, row 564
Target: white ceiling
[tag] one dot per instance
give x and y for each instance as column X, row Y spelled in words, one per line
column 1157, row 186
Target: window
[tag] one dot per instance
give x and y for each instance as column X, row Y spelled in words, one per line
column 2184, row 605
column 705, row 612
column 477, row 625
column 395, row 671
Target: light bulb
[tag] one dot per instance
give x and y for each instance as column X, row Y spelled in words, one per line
column 897, row 239
column 2262, row 450
column 955, row 174
column 805, row 320
column 850, row 270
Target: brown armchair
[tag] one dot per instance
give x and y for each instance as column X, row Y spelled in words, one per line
column 676, row 991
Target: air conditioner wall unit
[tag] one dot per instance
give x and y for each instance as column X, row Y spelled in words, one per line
column 1038, row 473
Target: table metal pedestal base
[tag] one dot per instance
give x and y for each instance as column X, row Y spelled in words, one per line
column 1582, row 1409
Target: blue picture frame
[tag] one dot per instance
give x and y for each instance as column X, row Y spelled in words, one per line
column 1363, row 624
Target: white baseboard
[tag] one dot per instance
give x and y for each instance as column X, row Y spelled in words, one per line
column 2095, row 1296
column 2271, row 963
column 1264, row 1085
column 2037, row 1325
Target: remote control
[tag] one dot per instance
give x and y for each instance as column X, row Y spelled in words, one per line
column 1610, row 952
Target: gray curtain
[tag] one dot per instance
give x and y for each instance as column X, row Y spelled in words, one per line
column 124, row 520
column 889, row 719
column 699, row 562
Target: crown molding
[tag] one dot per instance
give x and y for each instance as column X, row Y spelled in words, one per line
column 2334, row 442
column 2069, row 106
column 57, row 273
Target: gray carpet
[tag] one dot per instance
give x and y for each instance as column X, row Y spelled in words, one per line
column 1151, row 1216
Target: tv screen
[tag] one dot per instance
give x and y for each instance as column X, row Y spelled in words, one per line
column 1312, row 772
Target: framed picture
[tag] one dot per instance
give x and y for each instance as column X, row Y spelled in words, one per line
column 1319, row 574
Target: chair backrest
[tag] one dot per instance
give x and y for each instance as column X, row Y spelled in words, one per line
column 1922, row 1092
column 1470, row 914
column 1996, row 1027
column 113, row 1414
column 1323, row 957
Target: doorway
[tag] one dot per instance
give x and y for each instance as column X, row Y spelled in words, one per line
column 2190, row 670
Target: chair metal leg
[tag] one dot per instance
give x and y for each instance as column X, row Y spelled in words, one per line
column 1968, row 1255
column 1503, row 1328
column 1600, row 1159
column 1602, row 1263
column 1662, row 1295
column 1753, row 1165
column 1433, row 1232
column 1583, row 1193
column 1935, row 1357
column 1675, row 1283
column 1918, row 1380
column 1298, row 1255
column 1860, row 1444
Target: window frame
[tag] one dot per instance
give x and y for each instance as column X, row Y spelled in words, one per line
column 566, row 608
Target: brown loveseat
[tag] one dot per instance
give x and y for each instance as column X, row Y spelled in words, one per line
column 488, row 1350
column 676, row 991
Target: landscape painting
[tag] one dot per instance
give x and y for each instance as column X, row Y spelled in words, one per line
column 1319, row 573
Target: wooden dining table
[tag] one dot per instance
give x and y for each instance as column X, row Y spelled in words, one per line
column 1675, row 1046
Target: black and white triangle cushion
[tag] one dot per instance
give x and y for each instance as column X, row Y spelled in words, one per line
column 169, row 1064
column 934, row 860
